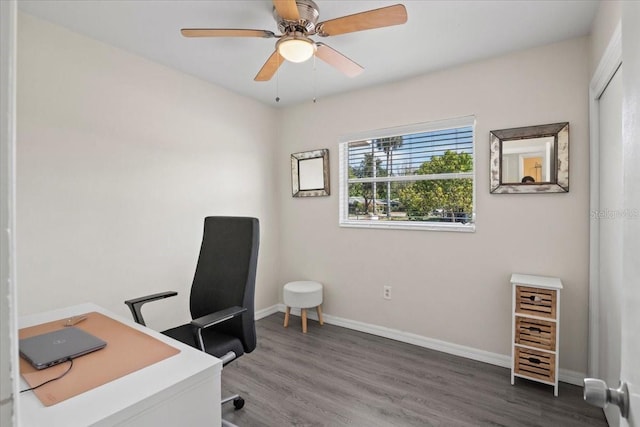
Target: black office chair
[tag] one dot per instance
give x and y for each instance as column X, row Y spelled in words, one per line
column 222, row 292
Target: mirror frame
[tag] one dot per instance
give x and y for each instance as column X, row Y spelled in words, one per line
column 560, row 133
column 296, row 158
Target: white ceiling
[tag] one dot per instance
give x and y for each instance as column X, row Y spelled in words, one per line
column 438, row 34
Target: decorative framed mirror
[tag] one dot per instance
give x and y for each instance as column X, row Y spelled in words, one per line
column 533, row 159
column 310, row 173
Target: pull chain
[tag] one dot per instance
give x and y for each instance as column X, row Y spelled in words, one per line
column 278, row 80
column 315, row 83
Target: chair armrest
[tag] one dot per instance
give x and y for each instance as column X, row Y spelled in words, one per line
column 217, row 317
column 135, row 304
column 213, row 319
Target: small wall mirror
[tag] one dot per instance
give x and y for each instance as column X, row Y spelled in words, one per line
column 533, row 159
column 310, row 173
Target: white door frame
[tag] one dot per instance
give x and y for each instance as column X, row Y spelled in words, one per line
column 609, row 64
column 8, row 303
column 629, row 362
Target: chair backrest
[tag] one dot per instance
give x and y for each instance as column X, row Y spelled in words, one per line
column 226, row 274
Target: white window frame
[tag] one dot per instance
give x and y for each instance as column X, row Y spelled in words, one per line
column 343, row 154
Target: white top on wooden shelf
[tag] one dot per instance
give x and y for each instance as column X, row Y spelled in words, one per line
column 536, row 281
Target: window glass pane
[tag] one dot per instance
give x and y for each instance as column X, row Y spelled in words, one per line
column 412, row 178
column 448, row 200
column 404, row 155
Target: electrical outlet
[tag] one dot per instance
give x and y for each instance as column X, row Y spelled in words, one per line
column 386, row 292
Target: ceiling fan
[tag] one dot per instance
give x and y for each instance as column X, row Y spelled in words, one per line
column 297, row 20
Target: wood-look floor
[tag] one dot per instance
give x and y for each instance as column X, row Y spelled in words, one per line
column 334, row 376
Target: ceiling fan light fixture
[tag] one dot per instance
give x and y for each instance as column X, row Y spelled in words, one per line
column 296, row 47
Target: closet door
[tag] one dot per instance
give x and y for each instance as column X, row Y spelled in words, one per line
column 609, row 217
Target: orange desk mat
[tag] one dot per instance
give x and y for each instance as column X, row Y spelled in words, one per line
column 127, row 351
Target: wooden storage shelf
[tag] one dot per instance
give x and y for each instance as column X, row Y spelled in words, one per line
column 536, row 302
column 535, row 364
column 535, row 328
column 535, row 333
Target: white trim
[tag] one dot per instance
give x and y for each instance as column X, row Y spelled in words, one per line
column 405, row 178
column 343, row 154
column 408, row 225
column 265, row 312
column 609, row 63
column 343, row 200
column 409, row 129
column 571, row 377
column 8, row 288
column 504, row 361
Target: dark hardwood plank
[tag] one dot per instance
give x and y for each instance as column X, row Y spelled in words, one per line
column 334, row 376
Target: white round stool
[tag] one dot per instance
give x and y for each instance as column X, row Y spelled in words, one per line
column 303, row 294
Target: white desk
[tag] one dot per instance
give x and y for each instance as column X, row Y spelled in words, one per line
column 181, row 390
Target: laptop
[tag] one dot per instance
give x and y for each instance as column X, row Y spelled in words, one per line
column 52, row 348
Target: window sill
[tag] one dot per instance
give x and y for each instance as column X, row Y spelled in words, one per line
column 406, row 225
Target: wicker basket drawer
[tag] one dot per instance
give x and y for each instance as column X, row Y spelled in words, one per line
column 535, row 364
column 535, row 333
column 536, row 302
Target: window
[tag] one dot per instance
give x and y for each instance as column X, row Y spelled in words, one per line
column 417, row 177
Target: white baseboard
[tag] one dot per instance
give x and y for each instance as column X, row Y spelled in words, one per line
column 260, row 314
column 564, row 375
column 571, row 377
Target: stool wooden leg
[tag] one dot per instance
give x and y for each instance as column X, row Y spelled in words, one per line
column 319, row 310
column 304, row 320
column 286, row 317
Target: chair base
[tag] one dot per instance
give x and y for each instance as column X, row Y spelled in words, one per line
column 238, row 402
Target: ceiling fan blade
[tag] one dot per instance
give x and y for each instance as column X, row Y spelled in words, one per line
column 225, row 32
column 338, row 60
column 287, row 9
column 376, row 18
column 270, row 67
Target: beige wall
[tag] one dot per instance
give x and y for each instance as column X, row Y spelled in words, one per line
column 119, row 159
column 118, row 162
column 452, row 287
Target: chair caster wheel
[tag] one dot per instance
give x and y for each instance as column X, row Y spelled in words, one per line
column 238, row 403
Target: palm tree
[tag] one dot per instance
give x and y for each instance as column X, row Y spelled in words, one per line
column 369, row 167
column 388, row 145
